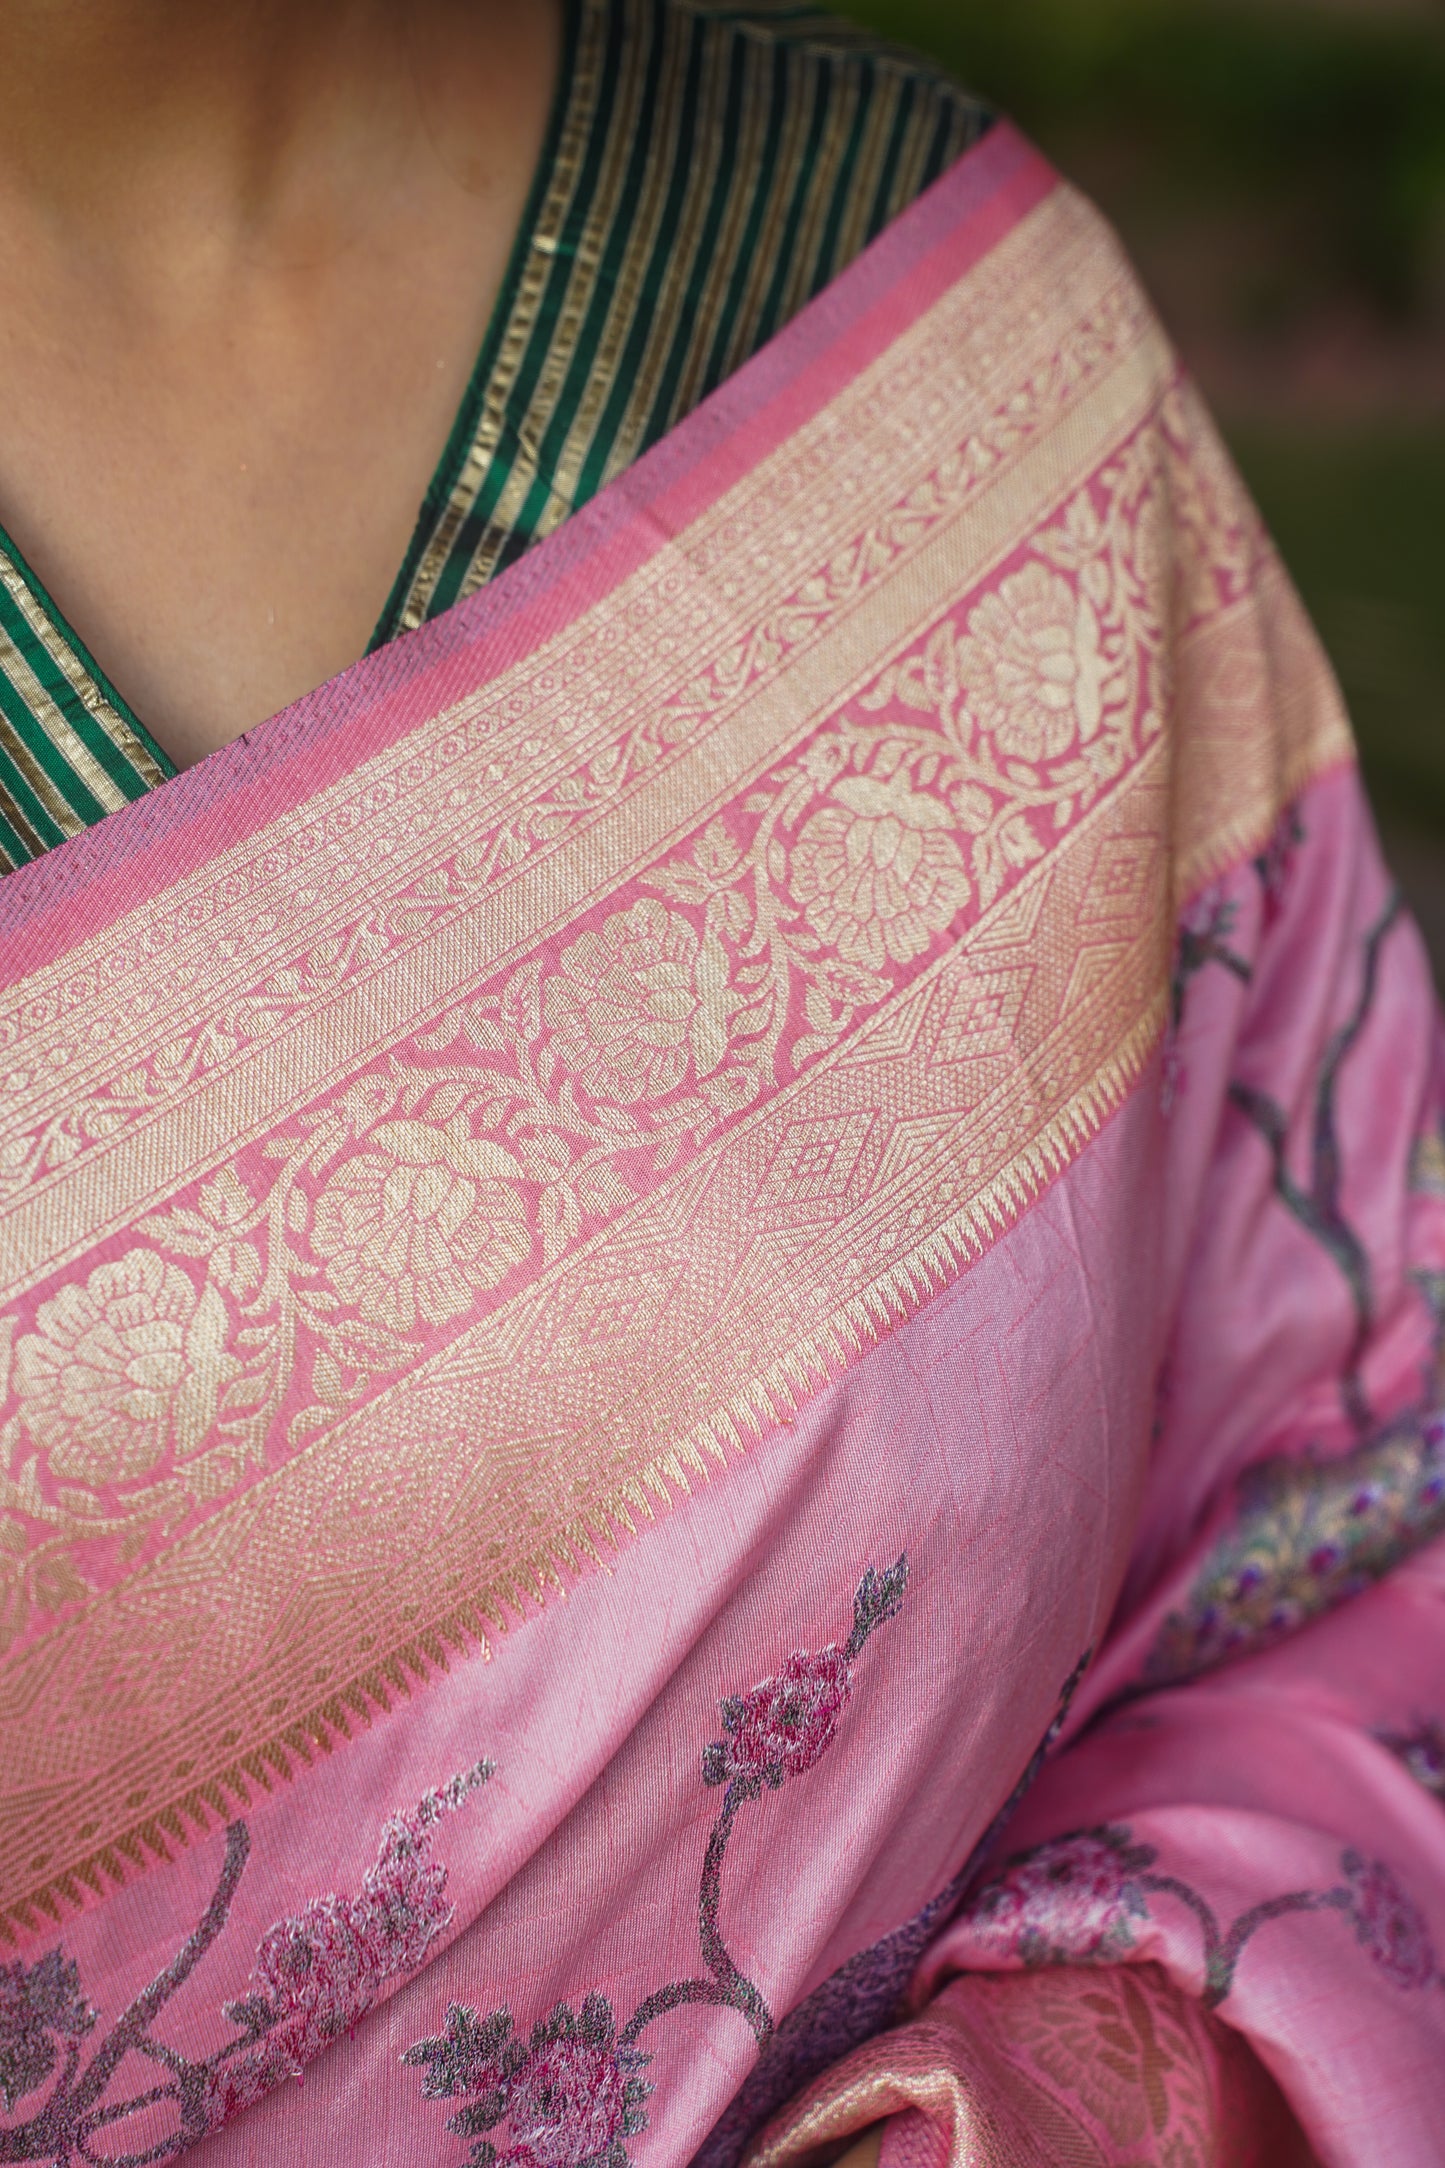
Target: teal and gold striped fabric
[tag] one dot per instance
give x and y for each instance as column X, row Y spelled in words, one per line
column 707, row 170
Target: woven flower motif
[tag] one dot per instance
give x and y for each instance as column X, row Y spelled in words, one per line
column 637, row 999
column 1071, row 1901
column 571, row 2095
column 420, row 1223
column 878, row 872
column 1032, row 665
column 783, row 1725
column 1389, row 1924
column 125, row 1371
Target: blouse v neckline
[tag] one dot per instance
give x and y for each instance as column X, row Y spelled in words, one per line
column 707, row 169
column 109, row 755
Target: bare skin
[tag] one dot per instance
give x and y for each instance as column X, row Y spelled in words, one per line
column 864, row 2151
column 248, row 250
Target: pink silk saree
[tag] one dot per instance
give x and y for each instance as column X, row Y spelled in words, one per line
column 721, row 1294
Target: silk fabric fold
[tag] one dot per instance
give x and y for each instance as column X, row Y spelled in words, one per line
column 772, row 1195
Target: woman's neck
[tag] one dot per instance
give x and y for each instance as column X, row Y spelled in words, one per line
column 173, row 140
column 248, row 249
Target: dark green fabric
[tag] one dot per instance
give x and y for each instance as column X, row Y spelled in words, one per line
column 707, row 170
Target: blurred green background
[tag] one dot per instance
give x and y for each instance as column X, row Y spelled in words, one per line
column 1277, row 168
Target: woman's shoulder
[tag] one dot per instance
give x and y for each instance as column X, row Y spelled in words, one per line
column 770, row 142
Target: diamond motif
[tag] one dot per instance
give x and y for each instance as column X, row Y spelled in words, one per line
column 814, row 1160
column 1118, row 885
column 983, row 1013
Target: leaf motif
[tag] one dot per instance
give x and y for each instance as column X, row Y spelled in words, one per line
column 370, row 1339
column 445, row 1034
column 988, row 869
column 716, row 854
column 54, row 1580
column 243, row 1395
column 880, row 692
column 316, row 1301
column 681, row 883
column 601, row 1191
column 558, row 1217
column 1018, row 842
column 223, row 1201
column 216, row 1472
column 850, row 984
column 236, row 1267
column 447, row 1099
column 730, row 1090
column 183, row 1232
column 973, row 807
column 737, row 915
column 326, row 1379
column 14, row 1609
column 819, row 1010
column 483, row 1033
column 308, row 1419
column 545, row 1155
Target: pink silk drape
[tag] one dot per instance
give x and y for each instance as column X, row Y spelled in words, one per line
column 721, row 1301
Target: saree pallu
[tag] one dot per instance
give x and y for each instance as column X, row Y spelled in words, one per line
column 721, row 1297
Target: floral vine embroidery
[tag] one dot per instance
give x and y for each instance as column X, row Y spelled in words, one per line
column 1276, row 862
column 1310, row 1534
column 261, row 1304
column 571, row 2092
column 1420, row 1749
column 1206, row 927
column 1080, row 1899
column 1315, row 1202
column 315, row 1974
column 1202, row 939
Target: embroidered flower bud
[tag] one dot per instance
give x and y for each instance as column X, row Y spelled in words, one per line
column 1389, row 1924
column 1071, row 1901
column 784, row 1724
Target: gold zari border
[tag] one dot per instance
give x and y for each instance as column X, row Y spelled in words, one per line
column 647, row 1355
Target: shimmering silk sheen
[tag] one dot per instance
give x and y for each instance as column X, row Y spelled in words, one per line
column 721, row 1302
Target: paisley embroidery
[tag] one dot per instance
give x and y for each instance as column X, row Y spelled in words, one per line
column 1310, row 1534
column 1081, row 1899
column 571, row 2092
column 315, row 1975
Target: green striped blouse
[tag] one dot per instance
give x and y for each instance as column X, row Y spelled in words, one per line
column 707, row 170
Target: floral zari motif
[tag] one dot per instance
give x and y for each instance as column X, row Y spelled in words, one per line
column 296, row 1281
